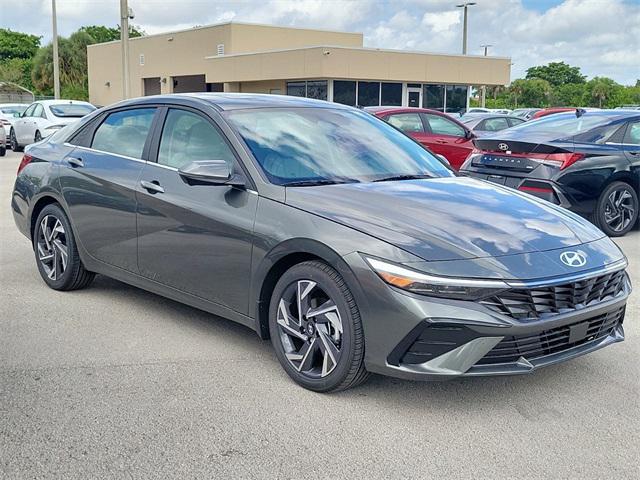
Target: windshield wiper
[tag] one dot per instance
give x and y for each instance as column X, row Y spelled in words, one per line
column 320, row 181
column 402, row 177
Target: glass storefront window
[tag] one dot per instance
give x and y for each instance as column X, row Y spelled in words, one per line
column 317, row 89
column 456, row 98
column 391, row 94
column 297, row 89
column 433, row 97
column 344, row 92
column 368, row 94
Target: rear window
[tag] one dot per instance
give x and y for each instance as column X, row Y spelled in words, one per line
column 562, row 124
column 71, row 110
column 13, row 110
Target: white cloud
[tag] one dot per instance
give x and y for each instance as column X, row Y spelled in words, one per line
column 600, row 36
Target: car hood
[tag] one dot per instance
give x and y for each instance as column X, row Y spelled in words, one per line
column 447, row 218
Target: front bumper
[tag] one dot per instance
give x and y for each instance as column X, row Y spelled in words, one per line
column 424, row 338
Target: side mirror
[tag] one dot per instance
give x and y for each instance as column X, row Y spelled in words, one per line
column 17, row 114
column 469, row 134
column 212, row 172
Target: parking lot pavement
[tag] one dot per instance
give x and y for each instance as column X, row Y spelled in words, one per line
column 115, row 382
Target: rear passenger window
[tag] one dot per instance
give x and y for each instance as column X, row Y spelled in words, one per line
column 124, row 133
column 441, row 126
column 495, row 124
column 633, row 134
column 407, row 122
column 187, row 137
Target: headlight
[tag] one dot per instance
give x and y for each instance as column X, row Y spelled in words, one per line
column 435, row 286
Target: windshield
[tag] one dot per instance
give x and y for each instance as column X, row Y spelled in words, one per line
column 562, row 124
column 71, row 109
column 13, row 109
column 322, row 145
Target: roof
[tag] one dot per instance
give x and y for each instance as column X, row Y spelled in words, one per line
column 62, row 102
column 237, row 101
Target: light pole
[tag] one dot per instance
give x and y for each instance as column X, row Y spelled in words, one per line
column 484, row 87
column 56, row 60
column 125, row 15
column 465, row 6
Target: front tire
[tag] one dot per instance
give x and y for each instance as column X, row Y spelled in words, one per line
column 316, row 329
column 617, row 209
column 15, row 146
column 3, row 151
column 37, row 137
column 56, row 251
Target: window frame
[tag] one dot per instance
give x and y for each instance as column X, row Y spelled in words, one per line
column 626, row 139
column 430, row 129
column 425, row 126
column 29, row 109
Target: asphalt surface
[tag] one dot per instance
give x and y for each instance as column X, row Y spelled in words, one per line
column 115, row 382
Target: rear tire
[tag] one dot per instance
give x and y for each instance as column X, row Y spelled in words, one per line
column 321, row 349
column 616, row 212
column 56, row 251
column 3, row 151
column 37, row 137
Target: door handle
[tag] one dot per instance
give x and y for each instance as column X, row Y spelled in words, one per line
column 151, row 187
column 75, row 162
column 634, row 153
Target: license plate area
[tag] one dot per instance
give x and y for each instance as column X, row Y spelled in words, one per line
column 521, row 164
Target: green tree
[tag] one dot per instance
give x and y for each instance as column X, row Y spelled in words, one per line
column 17, row 45
column 568, row 95
column 556, row 73
column 17, row 70
column 603, row 92
column 533, row 92
column 101, row 34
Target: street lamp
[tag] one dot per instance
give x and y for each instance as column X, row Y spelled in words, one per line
column 56, row 59
column 484, row 87
column 125, row 15
column 465, row 6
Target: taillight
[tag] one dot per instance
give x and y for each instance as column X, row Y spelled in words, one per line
column 564, row 160
column 5, row 123
column 26, row 160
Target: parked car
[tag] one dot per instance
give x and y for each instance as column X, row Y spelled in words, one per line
column 589, row 163
column 628, row 107
column 525, row 113
column 3, row 145
column 481, row 124
column 8, row 114
column 350, row 246
column 553, row 110
column 42, row 118
column 435, row 130
column 483, row 110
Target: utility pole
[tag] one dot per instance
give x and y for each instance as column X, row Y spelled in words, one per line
column 465, row 6
column 56, row 60
column 124, row 41
column 484, row 87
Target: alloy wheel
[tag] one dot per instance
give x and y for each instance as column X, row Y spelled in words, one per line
column 619, row 210
column 37, row 137
column 310, row 328
column 13, row 141
column 52, row 247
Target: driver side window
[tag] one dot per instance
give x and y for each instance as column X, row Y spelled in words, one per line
column 188, row 137
column 441, row 126
column 29, row 111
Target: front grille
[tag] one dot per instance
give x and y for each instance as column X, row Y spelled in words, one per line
column 554, row 340
column 534, row 303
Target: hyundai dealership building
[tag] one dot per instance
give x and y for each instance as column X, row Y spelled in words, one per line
column 327, row 65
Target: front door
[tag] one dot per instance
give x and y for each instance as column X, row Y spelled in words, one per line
column 24, row 126
column 414, row 97
column 99, row 182
column 196, row 238
column 447, row 138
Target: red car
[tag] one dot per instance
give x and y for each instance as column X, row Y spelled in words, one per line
column 550, row 111
column 435, row 130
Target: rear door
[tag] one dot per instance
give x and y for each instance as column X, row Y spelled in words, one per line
column 23, row 125
column 410, row 123
column 631, row 145
column 99, row 179
column 447, row 138
column 197, row 238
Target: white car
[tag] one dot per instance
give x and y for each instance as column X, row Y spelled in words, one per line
column 45, row 117
column 8, row 114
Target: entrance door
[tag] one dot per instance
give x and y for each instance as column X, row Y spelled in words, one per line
column 414, row 97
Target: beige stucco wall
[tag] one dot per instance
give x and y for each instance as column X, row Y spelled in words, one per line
column 358, row 63
column 184, row 53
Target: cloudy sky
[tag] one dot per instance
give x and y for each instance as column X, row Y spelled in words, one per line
column 600, row 36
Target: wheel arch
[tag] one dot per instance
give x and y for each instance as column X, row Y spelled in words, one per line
column 623, row 176
column 281, row 258
column 42, row 201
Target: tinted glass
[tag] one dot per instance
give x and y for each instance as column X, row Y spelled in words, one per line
column 456, row 98
column 321, row 144
column 124, row 133
column 442, row 126
column 633, row 133
column 407, row 122
column 515, row 121
column 391, row 94
column 187, row 137
column 29, row 111
column 433, row 97
column 368, row 94
column 562, row 124
column 494, row 124
column 344, row 92
column 296, row 89
column 38, row 111
column 317, row 89
column 71, row 110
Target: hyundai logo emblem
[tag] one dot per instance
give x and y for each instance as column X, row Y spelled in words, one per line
column 503, row 146
column 574, row 259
